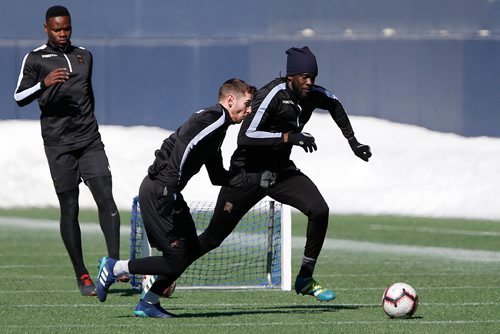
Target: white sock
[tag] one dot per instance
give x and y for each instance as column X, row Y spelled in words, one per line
column 121, row 267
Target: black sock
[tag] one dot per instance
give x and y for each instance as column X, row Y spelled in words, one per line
column 307, row 267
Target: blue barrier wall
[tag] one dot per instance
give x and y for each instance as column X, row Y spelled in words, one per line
column 158, row 61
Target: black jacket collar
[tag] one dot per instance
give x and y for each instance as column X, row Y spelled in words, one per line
column 66, row 49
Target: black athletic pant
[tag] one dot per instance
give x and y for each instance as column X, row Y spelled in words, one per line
column 175, row 236
column 109, row 219
column 292, row 188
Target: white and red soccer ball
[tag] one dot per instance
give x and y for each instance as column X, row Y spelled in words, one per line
column 400, row 300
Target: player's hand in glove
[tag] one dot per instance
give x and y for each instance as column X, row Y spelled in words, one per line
column 167, row 202
column 302, row 139
column 362, row 151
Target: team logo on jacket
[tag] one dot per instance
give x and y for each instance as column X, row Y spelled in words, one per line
column 80, row 59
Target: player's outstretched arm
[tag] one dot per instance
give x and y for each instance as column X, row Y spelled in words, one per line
column 362, row 151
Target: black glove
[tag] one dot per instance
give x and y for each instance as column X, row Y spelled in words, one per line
column 362, row 151
column 302, row 139
column 167, row 202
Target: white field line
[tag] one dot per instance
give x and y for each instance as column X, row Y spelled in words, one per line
column 434, row 230
column 255, row 325
column 425, row 274
column 375, row 247
column 413, row 274
column 440, row 288
column 190, row 306
column 298, row 242
column 48, row 224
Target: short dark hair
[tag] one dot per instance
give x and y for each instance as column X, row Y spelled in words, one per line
column 235, row 86
column 55, row 11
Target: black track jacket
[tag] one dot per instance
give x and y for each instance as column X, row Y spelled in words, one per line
column 195, row 143
column 67, row 108
column 276, row 110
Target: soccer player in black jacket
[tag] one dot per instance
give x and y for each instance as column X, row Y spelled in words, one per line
column 166, row 216
column 58, row 75
column 280, row 110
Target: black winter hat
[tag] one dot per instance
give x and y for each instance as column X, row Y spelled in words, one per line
column 301, row 61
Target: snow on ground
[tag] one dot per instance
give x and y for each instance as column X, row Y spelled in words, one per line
column 413, row 171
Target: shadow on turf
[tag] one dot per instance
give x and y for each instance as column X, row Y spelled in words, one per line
column 124, row 292
column 305, row 309
column 290, row 309
column 282, row 310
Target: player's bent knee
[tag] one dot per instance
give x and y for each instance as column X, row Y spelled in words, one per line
column 208, row 244
column 319, row 211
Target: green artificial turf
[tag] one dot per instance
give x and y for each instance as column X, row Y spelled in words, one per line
column 458, row 294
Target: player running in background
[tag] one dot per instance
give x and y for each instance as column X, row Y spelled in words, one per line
column 280, row 110
column 166, row 216
column 58, row 75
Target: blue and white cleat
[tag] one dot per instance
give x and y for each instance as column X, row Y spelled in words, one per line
column 147, row 310
column 308, row 286
column 105, row 277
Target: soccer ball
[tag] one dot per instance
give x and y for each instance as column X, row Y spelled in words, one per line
column 400, row 300
column 148, row 280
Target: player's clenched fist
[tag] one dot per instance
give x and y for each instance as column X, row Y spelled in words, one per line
column 56, row 76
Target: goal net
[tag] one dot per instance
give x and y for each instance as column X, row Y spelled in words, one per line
column 257, row 254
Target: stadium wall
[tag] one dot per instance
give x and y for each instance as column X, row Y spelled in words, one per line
column 437, row 64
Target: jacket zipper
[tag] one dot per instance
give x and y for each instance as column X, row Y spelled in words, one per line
column 69, row 63
column 298, row 115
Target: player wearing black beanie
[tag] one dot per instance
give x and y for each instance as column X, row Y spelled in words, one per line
column 280, row 110
column 301, row 61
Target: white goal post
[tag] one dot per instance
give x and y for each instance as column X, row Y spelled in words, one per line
column 257, row 254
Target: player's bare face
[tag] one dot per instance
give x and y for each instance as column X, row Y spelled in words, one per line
column 302, row 84
column 242, row 107
column 58, row 30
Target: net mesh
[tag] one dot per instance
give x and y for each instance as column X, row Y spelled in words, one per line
column 249, row 257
